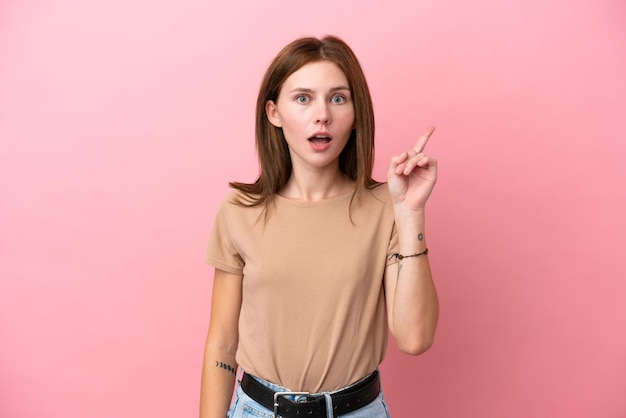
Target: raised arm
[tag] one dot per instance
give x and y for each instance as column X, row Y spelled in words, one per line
column 412, row 303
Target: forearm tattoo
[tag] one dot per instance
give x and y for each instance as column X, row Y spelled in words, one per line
column 226, row 367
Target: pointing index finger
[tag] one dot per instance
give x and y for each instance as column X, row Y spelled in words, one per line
column 421, row 142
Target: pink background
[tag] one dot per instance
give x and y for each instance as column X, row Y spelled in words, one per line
column 122, row 121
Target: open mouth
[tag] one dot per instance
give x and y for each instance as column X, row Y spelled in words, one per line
column 320, row 139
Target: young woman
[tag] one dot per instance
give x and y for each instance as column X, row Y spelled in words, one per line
column 315, row 261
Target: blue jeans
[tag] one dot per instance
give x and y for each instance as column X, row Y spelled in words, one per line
column 245, row 407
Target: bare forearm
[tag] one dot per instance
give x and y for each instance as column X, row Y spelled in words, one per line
column 218, row 379
column 415, row 305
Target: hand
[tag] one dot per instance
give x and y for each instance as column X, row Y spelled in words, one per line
column 412, row 175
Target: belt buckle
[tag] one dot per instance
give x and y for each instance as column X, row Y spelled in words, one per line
column 279, row 394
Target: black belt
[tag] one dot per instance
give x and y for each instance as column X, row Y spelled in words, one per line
column 344, row 401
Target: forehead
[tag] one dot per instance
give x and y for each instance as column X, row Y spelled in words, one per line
column 317, row 75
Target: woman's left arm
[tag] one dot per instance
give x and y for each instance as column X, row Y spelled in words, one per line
column 412, row 303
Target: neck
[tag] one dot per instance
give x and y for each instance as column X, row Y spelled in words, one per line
column 312, row 186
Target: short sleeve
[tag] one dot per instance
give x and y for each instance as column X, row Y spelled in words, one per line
column 392, row 249
column 222, row 252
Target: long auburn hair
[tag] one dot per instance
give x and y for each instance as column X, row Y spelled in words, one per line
column 356, row 159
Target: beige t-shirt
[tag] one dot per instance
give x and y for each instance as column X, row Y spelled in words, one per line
column 313, row 314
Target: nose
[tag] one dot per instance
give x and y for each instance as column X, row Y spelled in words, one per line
column 322, row 114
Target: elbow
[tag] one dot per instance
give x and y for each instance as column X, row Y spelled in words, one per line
column 415, row 346
column 415, row 338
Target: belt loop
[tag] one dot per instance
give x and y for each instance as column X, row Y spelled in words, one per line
column 329, row 405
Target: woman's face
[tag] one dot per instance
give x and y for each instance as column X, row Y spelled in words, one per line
column 316, row 113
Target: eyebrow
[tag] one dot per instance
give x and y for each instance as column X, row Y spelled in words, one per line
column 307, row 90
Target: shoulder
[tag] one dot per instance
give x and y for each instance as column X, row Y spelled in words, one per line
column 374, row 202
column 237, row 198
column 379, row 192
column 237, row 207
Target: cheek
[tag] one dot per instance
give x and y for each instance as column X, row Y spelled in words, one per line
column 348, row 118
column 350, row 113
column 291, row 117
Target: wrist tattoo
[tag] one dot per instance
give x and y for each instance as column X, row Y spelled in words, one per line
column 226, row 367
column 420, row 236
